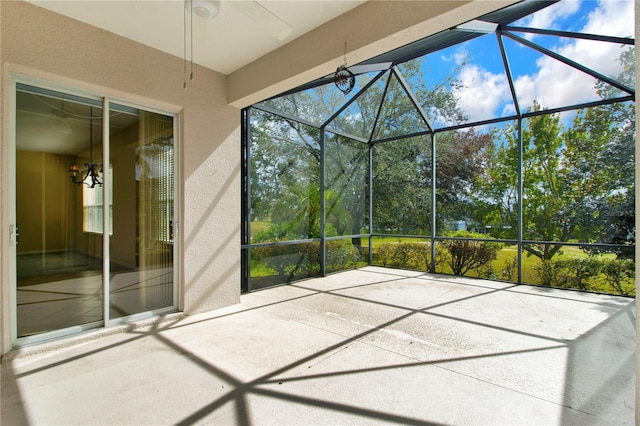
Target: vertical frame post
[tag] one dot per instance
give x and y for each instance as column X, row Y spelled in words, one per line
column 246, row 202
column 106, row 213
column 370, row 177
column 323, row 237
column 433, row 203
column 520, row 191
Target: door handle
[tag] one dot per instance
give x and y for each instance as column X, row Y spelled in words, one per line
column 13, row 235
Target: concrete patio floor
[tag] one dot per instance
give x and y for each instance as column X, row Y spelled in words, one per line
column 359, row 347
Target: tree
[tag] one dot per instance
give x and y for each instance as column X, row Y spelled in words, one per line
column 461, row 157
column 612, row 128
column 346, row 185
column 402, row 187
column 285, row 157
column 544, row 191
column 545, row 198
column 578, row 181
column 496, row 197
column 402, row 169
column 285, row 167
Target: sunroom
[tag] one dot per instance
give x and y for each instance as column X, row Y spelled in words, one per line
column 502, row 148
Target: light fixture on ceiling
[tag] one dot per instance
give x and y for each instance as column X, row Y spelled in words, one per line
column 92, row 174
column 207, row 9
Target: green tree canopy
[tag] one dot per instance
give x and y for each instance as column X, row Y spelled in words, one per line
column 578, row 181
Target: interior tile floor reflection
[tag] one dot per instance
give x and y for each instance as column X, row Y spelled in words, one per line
column 62, row 290
column 370, row 346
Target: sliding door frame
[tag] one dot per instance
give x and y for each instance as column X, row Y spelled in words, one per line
column 9, row 215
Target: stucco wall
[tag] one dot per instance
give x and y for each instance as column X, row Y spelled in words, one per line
column 43, row 45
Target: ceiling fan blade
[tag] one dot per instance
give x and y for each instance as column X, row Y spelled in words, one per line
column 362, row 69
column 254, row 10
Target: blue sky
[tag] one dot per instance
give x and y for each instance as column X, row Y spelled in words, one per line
column 485, row 92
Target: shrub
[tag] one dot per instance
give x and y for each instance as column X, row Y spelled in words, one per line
column 509, row 270
column 286, row 259
column 276, row 232
column 620, row 275
column 615, row 276
column 405, row 255
column 383, row 253
column 341, row 254
column 546, row 272
column 576, row 273
column 463, row 256
column 299, row 260
column 288, row 231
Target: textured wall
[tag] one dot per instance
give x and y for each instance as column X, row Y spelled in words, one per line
column 43, row 45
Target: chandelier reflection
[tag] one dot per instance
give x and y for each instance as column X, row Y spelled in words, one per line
column 91, row 176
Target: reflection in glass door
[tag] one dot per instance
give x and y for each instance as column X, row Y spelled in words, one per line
column 58, row 258
column 62, row 201
column 142, row 241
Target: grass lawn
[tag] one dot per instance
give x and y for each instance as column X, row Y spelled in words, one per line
column 258, row 226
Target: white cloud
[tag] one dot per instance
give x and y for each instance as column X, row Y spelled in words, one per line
column 556, row 84
column 552, row 83
column 482, row 93
column 613, row 18
column 547, row 17
column 458, row 57
column 600, row 56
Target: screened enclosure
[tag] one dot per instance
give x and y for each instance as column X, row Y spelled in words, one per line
column 500, row 149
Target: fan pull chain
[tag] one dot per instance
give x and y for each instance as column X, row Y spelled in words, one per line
column 187, row 21
column 191, row 13
column 184, row 39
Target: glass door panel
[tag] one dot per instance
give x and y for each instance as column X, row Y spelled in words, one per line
column 141, row 153
column 58, row 254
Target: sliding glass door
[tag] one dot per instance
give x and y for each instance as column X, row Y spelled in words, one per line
column 58, row 260
column 142, row 242
column 67, row 190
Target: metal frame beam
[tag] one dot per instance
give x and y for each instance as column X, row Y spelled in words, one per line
column 569, row 62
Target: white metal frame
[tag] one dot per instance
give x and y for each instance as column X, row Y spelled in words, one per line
column 9, row 305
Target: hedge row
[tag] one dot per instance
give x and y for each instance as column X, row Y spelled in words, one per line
column 475, row 258
column 293, row 261
column 459, row 257
column 614, row 276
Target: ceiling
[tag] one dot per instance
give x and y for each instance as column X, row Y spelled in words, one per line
column 224, row 44
column 47, row 122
